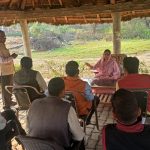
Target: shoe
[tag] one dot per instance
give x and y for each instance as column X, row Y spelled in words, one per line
column 13, row 103
column 6, row 108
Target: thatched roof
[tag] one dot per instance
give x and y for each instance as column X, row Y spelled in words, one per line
column 71, row 11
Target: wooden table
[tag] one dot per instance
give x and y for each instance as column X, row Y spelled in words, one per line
column 104, row 93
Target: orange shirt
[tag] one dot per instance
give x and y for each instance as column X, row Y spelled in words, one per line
column 77, row 87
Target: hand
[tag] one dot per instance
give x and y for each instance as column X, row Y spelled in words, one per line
column 87, row 64
column 14, row 55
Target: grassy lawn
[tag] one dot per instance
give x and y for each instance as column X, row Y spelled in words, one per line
column 52, row 63
column 80, row 50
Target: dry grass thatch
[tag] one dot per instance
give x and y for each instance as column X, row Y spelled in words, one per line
column 71, row 11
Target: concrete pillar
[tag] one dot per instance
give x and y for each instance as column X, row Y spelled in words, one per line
column 25, row 36
column 116, row 16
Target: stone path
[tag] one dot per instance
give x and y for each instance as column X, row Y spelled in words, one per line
column 93, row 136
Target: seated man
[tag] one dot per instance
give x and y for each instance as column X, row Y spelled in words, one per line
column 27, row 76
column 9, row 127
column 80, row 89
column 53, row 119
column 132, row 79
column 128, row 133
column 106, row 67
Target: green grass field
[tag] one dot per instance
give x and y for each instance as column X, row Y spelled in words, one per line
column 52, row 63
column 80, row 50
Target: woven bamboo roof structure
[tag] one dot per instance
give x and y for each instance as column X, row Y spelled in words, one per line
column 71, row 11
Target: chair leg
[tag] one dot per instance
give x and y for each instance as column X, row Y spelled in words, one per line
column 95, row 109
column 84, row 126
column 17, row 113
column 96, row 117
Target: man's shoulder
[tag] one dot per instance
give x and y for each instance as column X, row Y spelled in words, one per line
column 39, row 100
column 145, row 78
column 144, row 75
column 35, row 71
column 138, row 76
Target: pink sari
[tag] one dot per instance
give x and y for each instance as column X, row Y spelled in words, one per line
column 107, row 69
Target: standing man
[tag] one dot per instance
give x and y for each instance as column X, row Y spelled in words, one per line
column 6, row 71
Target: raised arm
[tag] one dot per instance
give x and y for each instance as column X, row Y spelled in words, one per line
column 89, row 65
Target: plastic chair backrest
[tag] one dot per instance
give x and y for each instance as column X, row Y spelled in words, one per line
column 22, row 98
column 30, row 143
column 21, row 95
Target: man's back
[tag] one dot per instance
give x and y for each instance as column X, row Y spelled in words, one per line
column 135, row 81
column 48, row 119
column 128, row 138
column 28, row 77
column 77, row 87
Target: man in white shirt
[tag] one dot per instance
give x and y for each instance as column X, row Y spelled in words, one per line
column 6, row 71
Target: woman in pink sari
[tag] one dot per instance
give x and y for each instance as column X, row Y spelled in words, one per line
column 106, row 67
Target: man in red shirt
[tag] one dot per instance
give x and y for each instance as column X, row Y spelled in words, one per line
column 132, row 78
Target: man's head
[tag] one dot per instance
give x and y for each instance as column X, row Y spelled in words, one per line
column 26, row 63
column 125, row 106
column 131, row 65
column 106, row 54
column 2, row 36
column 56, row 87
column 72, row 68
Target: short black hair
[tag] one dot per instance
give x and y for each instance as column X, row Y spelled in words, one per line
column 125, row 106
column 107, row 50
column 131, row 64
column 26, row 63
column 56, row 86
column 72, row 68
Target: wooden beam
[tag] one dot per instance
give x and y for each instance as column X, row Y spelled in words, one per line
column 98, row 17
column 116, row 32
column 60, row 2
column 50, row 3
column 23, row 4
column 25, row 35
column 84, row 19
column 66, row 19
column 10, row 3
column 33, row 4
column 75, row 11
column 54, row 19
column 112, row 1
column 87, row 19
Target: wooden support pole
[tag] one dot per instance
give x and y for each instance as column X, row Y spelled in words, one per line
column 25, row 35
column 116, row 32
